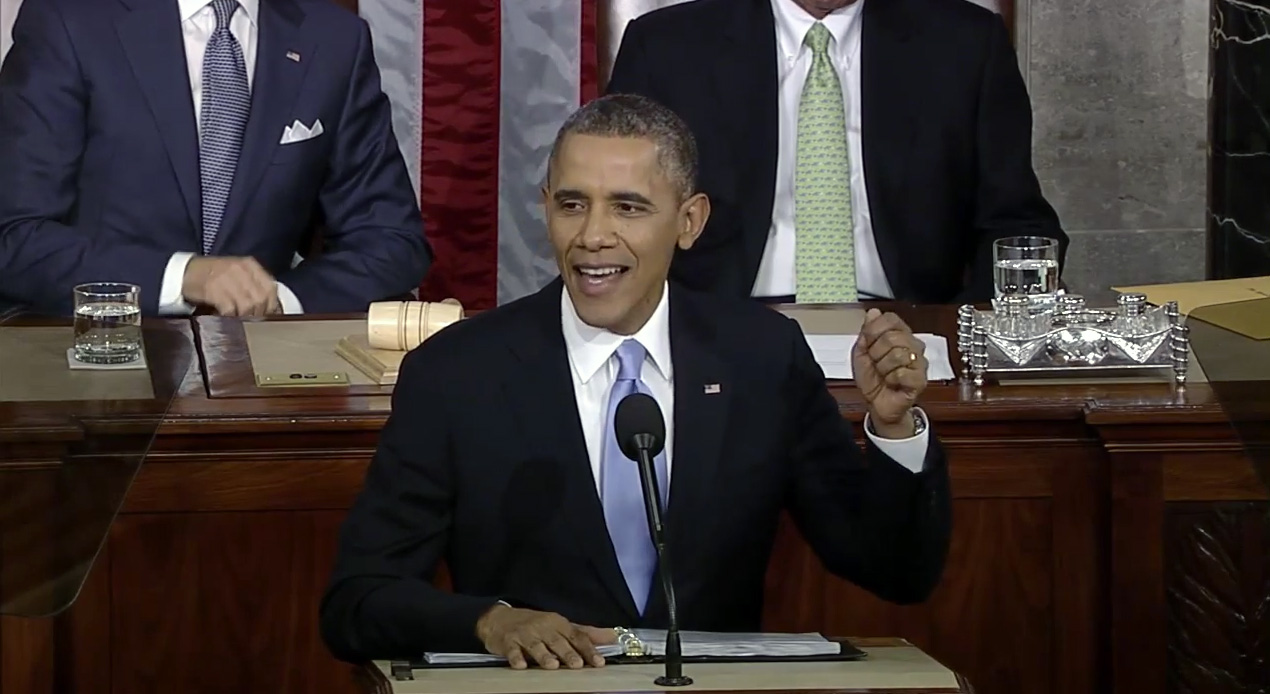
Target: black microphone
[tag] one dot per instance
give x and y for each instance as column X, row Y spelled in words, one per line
column 641, row 433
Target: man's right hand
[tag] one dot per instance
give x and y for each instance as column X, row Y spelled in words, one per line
column 232, row 286
column 546, row 637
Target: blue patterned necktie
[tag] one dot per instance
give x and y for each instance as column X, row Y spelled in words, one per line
column 620, row 489
column 226, row 102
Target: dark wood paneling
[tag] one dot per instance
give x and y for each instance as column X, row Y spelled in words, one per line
column 1080, row 512
column 1005, row 573
column 1154, row 469
column 248, row 482
column 997, row 580
column 1137, row 579
column 1217, row 588
column 27, row 655
column 1217, row 581
column 84, row 643
column 230, row 596
column 1208, row 475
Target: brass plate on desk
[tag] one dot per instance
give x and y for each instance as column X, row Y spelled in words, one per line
column 305, row 346
column 297, row 378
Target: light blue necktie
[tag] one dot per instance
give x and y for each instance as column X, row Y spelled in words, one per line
column 226, row 103
column 620, row 489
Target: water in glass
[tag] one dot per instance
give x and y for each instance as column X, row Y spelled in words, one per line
column 107, row 329
column 1027, row 266
column 1031, row 276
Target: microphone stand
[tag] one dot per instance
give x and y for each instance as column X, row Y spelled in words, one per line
column 674, row 676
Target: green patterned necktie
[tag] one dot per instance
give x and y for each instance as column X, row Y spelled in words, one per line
column 825, row 259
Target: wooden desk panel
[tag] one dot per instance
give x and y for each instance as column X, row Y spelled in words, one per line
column 1056, row 580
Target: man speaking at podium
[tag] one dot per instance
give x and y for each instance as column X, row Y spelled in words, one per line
column 499, row 456
column 189, row 146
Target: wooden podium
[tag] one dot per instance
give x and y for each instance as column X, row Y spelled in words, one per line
column 892, row 665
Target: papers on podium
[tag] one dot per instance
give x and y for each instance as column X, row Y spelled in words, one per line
column 833, row 354
column 696, row 644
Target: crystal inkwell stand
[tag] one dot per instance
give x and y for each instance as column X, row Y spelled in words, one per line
column 1015, row 340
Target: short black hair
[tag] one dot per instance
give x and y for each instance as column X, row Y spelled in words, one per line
column 635, row 116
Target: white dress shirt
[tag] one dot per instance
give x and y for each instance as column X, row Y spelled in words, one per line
column 593, row 364
column 198, row 21
column 776, row 276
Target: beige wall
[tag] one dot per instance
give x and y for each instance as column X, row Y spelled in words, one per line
column 1119, row 100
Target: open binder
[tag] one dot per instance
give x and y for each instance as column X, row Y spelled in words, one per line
column 644, row 646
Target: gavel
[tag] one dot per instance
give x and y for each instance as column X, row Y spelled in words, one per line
column 401, row 326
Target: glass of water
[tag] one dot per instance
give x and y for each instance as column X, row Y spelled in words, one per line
column 107, row 323
column 1026, row 265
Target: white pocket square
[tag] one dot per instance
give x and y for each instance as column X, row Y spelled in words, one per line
column 298, row 132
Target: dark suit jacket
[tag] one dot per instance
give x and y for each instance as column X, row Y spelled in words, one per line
column 946, row 132
column 100, row 174
column 483, row 464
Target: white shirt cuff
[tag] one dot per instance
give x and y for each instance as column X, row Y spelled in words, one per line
column 171, row 301
column 290, row 303
column 909, row 452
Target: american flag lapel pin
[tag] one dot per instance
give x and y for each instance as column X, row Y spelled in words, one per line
column 293, row 56
column 712, row 388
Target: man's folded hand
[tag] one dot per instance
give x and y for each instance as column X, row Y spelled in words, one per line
column 232, row 286
column 545, row 638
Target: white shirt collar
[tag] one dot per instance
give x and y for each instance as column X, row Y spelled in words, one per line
column 793, row 23
column 188, row 8
column 590, row 348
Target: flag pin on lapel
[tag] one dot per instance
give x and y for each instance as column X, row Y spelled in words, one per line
column 292, row 55
column 712, row 388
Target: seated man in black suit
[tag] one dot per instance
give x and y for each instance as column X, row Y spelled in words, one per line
column 499, row 455
column 850, row 148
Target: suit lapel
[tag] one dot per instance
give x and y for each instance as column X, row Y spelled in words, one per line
column 890, row 84
column 273, row 94
column 151, row 38
column 746, row 91
column 544, row 402
column 703, row 392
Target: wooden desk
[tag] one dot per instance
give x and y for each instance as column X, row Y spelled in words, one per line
column 1091, row 524
column 893, row 665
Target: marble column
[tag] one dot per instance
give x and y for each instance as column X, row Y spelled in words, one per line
column 1239, row 139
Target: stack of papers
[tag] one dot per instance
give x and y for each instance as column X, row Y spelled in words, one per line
column 717, row 644
column 696, row 644
column 833, row 353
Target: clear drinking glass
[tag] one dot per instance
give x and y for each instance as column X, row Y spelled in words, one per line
column 1026, row 265
column 107, row 323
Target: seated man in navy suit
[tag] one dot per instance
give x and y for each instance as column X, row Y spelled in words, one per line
column 188, row 146
column 500, row 456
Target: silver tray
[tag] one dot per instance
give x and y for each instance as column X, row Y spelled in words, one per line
column 1070, row 340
